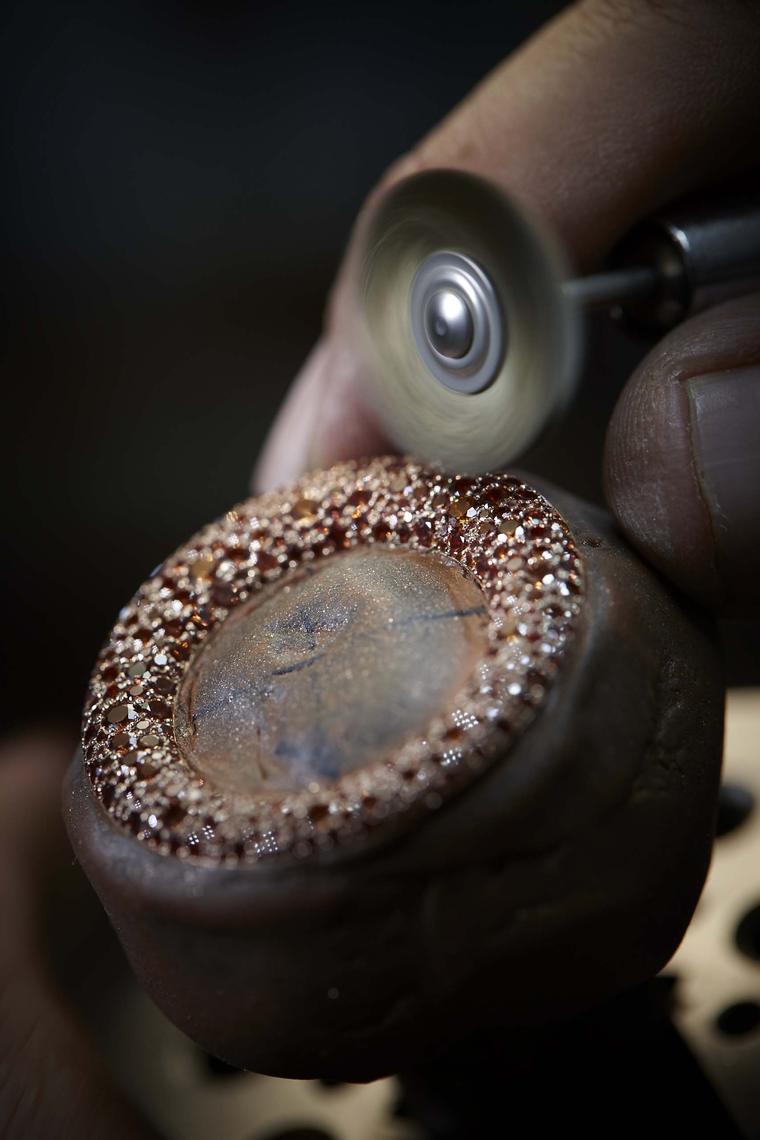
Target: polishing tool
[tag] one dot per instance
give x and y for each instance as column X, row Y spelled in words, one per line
column 468, row 322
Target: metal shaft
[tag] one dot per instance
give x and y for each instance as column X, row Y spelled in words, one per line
column 680, row 262
column 603, row 290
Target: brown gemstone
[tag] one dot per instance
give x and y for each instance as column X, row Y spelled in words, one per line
column 236, row 553
column 456, row 542
column 160, row 708
column 121, row 741
column 423, row 532
column 305, row 510
column 202, row 567
column 381, row 531
column 359, row 498
column 459, row 508
column 174, row 814
column 163, row 685
column 508, row 626
column 398, row 482
column 337, row 534
column 266, row 561
column 118, row 713
column 174, row 628
column 150, row 740
column 222, row 594
column 110, row 673
column 201, row 617
column 462, row 484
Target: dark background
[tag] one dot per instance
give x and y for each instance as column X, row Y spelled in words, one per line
column 179, row 181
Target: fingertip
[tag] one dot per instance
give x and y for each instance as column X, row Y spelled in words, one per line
column 287, row 447
column 682, row 457
column 32, row 767
column 325, row 419
column 651, row 488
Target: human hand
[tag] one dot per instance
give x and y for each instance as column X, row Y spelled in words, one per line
column 612, row 110
column 53, row 1082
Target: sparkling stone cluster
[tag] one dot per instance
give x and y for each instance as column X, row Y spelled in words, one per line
column 506, row 536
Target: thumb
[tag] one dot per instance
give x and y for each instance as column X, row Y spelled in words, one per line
column 611, row 110
column 682, row 458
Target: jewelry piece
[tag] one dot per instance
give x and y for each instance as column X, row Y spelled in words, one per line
column 329, row 660
column 379, row 760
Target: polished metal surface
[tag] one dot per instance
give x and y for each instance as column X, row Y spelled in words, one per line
column 603, row 290
column 457, row 322
column 703, row 252
column 449, row 324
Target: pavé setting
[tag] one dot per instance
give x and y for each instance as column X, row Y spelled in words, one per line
column 263, row 695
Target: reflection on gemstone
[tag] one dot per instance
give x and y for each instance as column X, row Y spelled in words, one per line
column 327, row 671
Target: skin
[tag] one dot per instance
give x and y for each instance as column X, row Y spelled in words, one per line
column 613, row 109
column 53, row 1083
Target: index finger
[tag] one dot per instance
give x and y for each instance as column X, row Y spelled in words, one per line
column 611, row 110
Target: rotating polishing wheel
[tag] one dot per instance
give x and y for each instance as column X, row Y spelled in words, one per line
column 469, row 342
